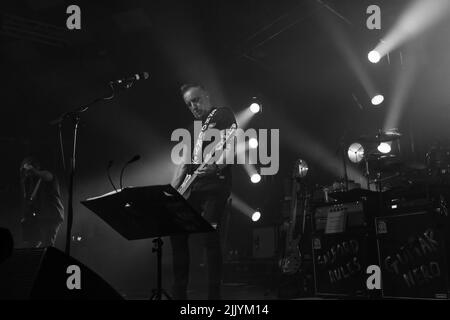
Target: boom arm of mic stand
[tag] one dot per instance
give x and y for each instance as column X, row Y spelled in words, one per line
column 79, row 110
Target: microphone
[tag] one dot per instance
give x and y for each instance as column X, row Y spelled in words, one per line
column 134, row 77
column 110, row 163
column 134, row 159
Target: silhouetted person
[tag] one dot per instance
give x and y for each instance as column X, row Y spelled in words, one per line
column 43, row 211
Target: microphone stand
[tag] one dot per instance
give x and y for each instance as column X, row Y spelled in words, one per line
column 134, row 159
column 344, row 159
column 75, row 115
column 109, row 175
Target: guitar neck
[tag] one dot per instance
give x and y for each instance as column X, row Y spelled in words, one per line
column 35, row 190
column 290, row 234
column 208, row 159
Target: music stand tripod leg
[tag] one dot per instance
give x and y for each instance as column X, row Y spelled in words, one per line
column 159, row 291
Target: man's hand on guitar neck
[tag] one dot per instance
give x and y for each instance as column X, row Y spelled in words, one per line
column 210, row 169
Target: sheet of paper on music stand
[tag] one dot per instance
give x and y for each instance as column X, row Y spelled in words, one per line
column 336, row 222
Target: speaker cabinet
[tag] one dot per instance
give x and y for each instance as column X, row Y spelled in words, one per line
column 413, row 255
column 342, row 249
column 43, row 274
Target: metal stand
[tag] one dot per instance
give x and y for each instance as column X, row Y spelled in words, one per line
column 150, row 212
column 75, row 115
column 344, row 161
column 367, row 173
column 159, row 291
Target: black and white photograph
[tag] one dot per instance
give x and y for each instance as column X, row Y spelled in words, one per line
column 225, row 155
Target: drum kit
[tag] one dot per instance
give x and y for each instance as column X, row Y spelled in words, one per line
column 384, row 169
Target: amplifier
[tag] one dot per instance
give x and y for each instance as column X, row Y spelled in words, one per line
column 413, row 255
column 342, row 249
column 336, row 218
column 340, row 262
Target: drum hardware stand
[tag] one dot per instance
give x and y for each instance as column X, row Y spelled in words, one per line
column 344, row 162
column 367, row 173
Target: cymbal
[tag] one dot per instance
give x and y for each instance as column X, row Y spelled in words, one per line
column 387, row 136
column 355, row 152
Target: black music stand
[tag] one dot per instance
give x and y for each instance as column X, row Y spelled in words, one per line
column 149, row 212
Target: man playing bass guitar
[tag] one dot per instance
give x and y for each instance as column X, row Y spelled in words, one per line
column 208, row 193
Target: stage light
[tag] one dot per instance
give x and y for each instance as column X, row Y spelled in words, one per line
column 255, row 107
column 355, row 152
column 77, row 238
column 301, row 168
column 374, row 56
column 256, row 216
column 253, row 143
column 377, row 100
column 384, row 147
column 255, row 178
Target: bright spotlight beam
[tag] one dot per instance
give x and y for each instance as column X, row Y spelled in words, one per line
column 242, row 206
column 398, row 101
column 420, row 16
column 243, row 117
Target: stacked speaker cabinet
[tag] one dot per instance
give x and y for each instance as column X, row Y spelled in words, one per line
column 413, row 255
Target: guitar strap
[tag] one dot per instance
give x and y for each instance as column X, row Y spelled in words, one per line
column 197, row 154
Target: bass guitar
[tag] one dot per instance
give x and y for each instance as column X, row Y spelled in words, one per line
column 185, row 188
column 292, row 258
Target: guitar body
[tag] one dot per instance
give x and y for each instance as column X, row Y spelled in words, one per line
column 185, row 188
column 292, row 261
